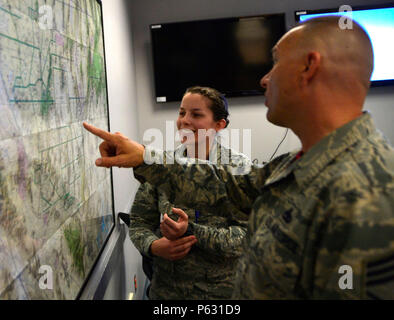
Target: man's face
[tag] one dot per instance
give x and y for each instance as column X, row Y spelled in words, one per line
column 281, row 82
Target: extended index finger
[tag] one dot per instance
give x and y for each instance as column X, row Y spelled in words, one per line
column 105, row 135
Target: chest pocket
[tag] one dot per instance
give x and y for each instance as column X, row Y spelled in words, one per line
column 276, row 243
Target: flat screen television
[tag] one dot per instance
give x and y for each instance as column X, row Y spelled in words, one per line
column 378, row 21
column 230, row 54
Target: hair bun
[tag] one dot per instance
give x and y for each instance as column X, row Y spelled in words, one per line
column 224, row 101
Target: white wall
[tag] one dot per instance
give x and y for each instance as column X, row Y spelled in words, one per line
column 245, row 112
column 121, row 89
column 380, row 102
column 123, row 118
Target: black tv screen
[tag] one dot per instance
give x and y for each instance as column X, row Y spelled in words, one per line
column 230, row 55
column 378, row 22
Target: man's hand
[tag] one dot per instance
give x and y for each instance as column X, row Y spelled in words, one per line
column 172, row 249
column 174, row 229
column 117, row 150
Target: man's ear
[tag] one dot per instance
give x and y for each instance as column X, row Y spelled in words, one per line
column 311, row 66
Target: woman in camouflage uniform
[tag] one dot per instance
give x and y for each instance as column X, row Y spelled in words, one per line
column 201, row 263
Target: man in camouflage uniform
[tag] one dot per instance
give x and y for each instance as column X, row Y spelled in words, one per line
column 321, row 220
column 207, row 271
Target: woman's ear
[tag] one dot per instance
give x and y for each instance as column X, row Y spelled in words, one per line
column 221, row 124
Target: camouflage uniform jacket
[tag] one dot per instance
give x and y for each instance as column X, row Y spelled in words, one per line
column 321, row 227
column 208, row 270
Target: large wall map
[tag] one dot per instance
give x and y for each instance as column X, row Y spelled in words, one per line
column 55, row 205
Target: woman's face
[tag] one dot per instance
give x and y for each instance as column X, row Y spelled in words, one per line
column 194, row 114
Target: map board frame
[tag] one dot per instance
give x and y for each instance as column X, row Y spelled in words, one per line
column 39, row 277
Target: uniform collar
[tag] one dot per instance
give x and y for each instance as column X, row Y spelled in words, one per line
column 307, row 167
column 330, row 147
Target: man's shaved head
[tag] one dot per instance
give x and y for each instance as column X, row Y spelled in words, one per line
column 346, row 52
column 320, row 78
